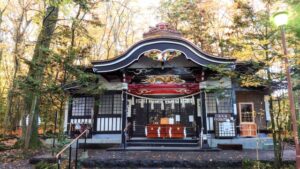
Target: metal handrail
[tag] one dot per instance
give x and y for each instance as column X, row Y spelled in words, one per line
column 58, row 155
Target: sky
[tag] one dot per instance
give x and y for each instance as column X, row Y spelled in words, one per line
column 149, row 8
column 148, row 15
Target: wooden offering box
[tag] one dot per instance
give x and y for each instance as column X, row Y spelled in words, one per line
column 165, row 131
column 248, row 130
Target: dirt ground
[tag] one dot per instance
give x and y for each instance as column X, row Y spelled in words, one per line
column 17, row 158
column 11, row 159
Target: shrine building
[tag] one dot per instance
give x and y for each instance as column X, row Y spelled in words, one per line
column 165, row 86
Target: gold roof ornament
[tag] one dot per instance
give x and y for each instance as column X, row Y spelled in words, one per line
column 162, row 29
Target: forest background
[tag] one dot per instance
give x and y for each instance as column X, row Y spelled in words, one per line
column 46, row 44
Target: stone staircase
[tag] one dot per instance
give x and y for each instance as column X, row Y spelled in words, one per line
column 144, row 144
column 163, row 143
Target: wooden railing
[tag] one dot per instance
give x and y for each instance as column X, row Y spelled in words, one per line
column 59, row 155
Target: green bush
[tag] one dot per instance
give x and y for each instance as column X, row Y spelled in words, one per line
column 3, row 147
column 253, row 164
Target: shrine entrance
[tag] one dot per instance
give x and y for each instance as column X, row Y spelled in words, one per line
column 174, row 118
column 164, row 106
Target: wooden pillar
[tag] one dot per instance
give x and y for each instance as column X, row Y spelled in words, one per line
column 124, row 109
column 196, row 116
column 95, row 114
column 66, row 115
column 70, row 115
column 204, row 118
column 233, row 99
column 180, row 110
column 234, row 105
column 147, row 108
column 164, row 113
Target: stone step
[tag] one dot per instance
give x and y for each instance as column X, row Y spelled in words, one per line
column 230, row 146
column 96, row 145
column 166, row 149
column 162, row 144
column 163, row 140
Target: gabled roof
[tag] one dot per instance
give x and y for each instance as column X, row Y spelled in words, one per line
column 162, row 42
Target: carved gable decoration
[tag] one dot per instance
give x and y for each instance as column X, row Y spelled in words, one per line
column 157, row 79
column 162, row 56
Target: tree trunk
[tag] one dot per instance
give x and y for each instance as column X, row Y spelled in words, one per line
column 13, row 112
column 12, row 88
column 69, row 60
column 274, row 135
column 61, row 115
column 29, row 132
column 1, row 20
column 35, row 75
column 277, row 150
column 1, row 52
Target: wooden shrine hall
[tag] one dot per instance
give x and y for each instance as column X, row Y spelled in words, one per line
column 165, row 85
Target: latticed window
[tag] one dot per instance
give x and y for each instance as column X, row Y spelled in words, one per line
column 105, row 104
column 246, row 112
column 110, row 104
column 82, row 106
column 220, row 102
column 117, row 104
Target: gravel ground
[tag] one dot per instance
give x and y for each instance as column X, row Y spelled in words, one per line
column 212, row 160
column 223, row 155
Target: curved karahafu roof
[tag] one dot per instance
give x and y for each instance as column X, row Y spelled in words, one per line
column 161, row 38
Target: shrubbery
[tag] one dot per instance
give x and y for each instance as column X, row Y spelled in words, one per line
column 253, row 164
